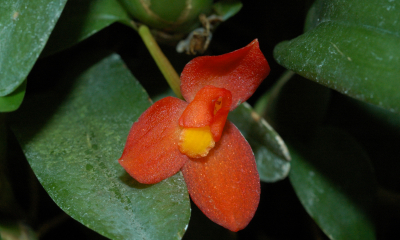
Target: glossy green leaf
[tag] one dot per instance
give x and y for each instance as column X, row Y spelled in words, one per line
column 227, row 9
column 271, row 153
column 81, row 19
column 380, row 14
column 72, row 137
column 25, row 27
column 16, row 231
column 12, row 101
column 352, row 47
column 333, row 178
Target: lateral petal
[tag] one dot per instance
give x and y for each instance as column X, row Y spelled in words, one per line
column 151, row 152
column 240, row 72
column 225, row 184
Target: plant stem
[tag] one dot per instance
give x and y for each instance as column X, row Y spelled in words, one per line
column 262, row 104
column 162, row 62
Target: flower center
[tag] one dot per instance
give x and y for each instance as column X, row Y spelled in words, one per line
column 203, row 121
column 196, row 142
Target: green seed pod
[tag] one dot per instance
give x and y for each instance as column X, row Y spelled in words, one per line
column 171, row 16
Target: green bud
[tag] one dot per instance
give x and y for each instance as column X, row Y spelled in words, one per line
column 171, row 16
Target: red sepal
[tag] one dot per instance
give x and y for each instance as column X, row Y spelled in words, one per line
column 225, row 184
column 151, row 152
column 240, row 72
column 200, row 112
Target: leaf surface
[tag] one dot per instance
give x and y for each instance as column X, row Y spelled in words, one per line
column 81, row 19
column 333, row 178
column 352, row 47
column 72, row 137
column 12, row 101
column 227, row 9
column 25, row 27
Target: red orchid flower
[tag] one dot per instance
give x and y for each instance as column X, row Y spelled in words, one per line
column 217, row 163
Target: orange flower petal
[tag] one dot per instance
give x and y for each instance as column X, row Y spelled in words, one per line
column 210, row 107
column 240, row 72
column 151, row 152
column 225, row 184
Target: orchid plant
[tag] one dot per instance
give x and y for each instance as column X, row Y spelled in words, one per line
column 133, row 119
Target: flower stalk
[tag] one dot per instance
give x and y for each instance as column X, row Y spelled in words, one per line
column 162, row 62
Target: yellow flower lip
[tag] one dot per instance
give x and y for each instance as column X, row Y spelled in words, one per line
column 196, row 142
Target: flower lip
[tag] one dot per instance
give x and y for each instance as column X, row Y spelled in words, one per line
column 196, row 142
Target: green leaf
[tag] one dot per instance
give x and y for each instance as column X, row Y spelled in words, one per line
column 12, row 102
column 270, row 151
column 72, row 137
column 227, row 8
column 25, row 27
column 380, row 14
column 81, row 19
column 352, row 47
column 333, row 178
